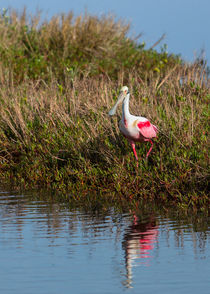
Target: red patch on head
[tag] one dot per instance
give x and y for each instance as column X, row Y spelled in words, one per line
column 143, row 124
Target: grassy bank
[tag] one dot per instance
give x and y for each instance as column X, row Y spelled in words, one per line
column 58, row 81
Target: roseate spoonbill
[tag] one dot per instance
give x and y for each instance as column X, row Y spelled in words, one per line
column 134, row 128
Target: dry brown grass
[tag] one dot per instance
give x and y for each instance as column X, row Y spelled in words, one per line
column 176, row 106
column 83, row 46
column 58, row 82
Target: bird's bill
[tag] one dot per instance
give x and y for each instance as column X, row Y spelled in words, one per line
column 119, row 100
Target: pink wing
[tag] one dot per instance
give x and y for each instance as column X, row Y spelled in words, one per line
column 147, row 129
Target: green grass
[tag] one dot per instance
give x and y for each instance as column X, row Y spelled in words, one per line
column 58, row 81
column 82, row 46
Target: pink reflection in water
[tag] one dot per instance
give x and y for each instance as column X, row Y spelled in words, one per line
column 139, row 242
column 146, row 242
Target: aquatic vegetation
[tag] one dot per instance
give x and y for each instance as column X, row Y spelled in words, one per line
column 58, row 81
column 82, row 46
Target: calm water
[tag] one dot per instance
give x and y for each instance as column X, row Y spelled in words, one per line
column 48, row 248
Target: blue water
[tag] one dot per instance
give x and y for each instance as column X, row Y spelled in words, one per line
column 49, row 248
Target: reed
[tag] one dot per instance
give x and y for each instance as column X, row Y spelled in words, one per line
column 84, row 45
column 54, row 126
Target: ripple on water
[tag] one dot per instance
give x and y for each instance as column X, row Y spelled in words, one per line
column 74, row 251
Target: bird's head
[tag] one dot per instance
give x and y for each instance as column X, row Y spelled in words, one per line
column 123, row 93
column 124, row 90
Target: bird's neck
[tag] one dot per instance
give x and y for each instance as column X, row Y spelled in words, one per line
column 125, row 107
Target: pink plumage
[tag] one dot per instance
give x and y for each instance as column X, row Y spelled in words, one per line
column 147, row 130
column 134, row 128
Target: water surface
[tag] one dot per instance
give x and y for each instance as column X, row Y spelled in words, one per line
column 49, row 248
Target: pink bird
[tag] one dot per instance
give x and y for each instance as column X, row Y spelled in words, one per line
column 134, row 128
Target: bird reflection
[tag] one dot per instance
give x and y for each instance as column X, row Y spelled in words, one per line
column 138, row 244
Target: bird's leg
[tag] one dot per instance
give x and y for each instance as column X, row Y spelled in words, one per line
column 150, row 148
column 134, row 150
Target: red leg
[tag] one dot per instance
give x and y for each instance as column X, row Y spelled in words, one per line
column 150, row 147
column 134, row 150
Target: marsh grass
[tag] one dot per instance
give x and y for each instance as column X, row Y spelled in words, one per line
column 83, row 46
column 54, row 126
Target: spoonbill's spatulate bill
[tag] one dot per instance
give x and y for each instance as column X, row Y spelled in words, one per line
column 134, row 128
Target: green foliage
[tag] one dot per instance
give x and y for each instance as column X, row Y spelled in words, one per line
column 58, row 81
column 88, row 45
